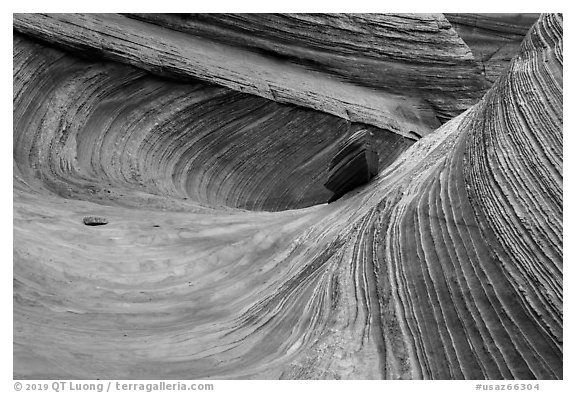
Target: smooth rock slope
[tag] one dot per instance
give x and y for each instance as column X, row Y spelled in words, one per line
column 447, row 265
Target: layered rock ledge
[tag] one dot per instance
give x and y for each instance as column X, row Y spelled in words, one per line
column 404, row 73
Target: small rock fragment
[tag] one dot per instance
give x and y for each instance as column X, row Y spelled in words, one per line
column 95, row 221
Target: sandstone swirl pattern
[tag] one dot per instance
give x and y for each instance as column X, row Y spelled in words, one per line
column 217, row 260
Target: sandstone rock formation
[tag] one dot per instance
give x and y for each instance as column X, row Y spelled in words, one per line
column 493, row 38
column 406, row 73
column 408, row 55
column 220, row 258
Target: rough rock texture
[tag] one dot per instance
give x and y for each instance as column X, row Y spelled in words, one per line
column 493, row 38
column 416, row 55
column 404, row 73
column 447, row 265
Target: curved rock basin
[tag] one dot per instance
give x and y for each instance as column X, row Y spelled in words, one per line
column 220, row 258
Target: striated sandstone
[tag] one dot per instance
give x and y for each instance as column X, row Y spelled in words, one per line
column 407, row 73
column 447, row 265
column 93, row 131
column 410, row 55
column 493, row 38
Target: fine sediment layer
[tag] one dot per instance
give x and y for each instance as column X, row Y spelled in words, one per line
column 447, row 265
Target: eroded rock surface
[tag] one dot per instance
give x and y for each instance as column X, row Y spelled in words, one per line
column 407, row 55
column 405, row 73
column 102, row 131
column 493, row 38
column 448, row 264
